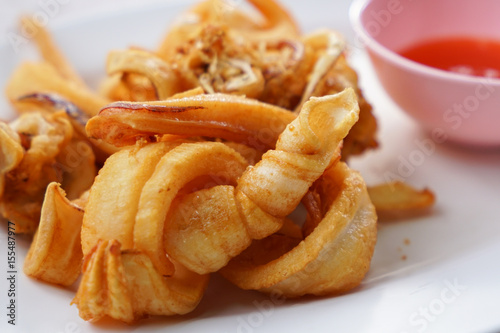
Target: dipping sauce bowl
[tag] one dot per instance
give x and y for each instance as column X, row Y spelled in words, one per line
column 436, row 59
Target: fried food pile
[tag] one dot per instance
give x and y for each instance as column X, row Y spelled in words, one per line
column 189, row 160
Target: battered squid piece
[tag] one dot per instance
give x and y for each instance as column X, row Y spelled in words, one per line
column 126, row 286
column 174, row 171
column 41, row 139
column 164, row 79
column 127, row 273
column 332, row 74
column 55, row 255
column 50, row 103
column 51, row 151
column 106, row 217
column 224, row 116
column 334, row 255
column 303, row 151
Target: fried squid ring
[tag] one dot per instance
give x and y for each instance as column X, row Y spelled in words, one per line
column 332, row 259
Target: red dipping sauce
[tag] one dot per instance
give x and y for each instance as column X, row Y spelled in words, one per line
column 464, row 55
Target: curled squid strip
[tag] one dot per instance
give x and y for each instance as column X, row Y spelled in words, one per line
column 175, row 170
column 229, row 117
column 334, row 46
column 265, row 194
column 123, row 228
column 125, row 285
column 304, row 150
column 335, row 78
column 165, row 81
column 106, row 217
column 55, row 255
column 205, row 229
column 332, row 258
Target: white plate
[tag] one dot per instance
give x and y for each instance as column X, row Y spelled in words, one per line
column 449, row 281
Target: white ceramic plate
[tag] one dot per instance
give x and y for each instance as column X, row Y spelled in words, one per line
column 436, row 273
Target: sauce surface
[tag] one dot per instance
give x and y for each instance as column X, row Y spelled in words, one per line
column 465, row 55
